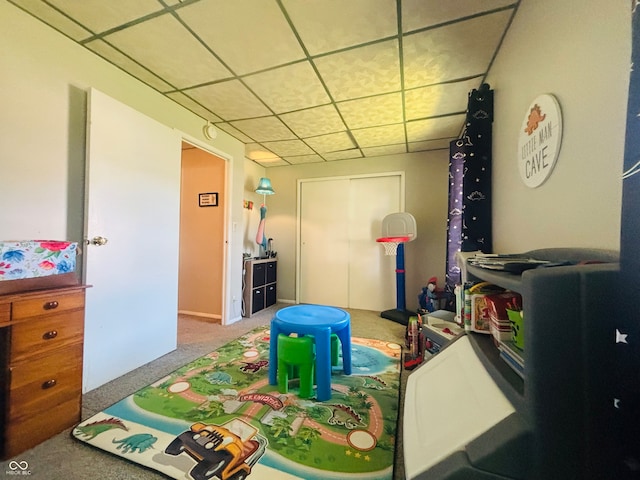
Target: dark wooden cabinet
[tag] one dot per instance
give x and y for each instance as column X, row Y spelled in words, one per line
column 259, row 286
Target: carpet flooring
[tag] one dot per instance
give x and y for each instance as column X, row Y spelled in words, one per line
column 64, row 458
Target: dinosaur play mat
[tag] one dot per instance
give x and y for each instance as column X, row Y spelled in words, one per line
column 218, row 417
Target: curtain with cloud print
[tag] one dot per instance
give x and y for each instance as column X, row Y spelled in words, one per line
column 622, row 410
column 469, row 220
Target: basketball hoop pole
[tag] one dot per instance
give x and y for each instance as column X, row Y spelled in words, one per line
column 401, row 301
column 396, row 247
column 398, row 228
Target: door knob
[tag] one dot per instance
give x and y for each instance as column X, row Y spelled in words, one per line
column 97, row 241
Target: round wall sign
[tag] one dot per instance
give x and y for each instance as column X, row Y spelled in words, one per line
column 539, row 141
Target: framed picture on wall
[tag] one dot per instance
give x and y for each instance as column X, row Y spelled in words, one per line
column 208, row 199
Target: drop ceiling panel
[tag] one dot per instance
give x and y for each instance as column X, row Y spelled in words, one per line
column 289, row 88
column 303, row 81
column 329, row 25
column 55, row 18
column 330, row 143
column 288, row 148
column 438, row 99
column 372, row 111
column 435, row 128
column 377, row 136
column 164, row 46
column 248, row 35
column 118, row 58
column 417, row 14
column 343, row 155
column 264, row 129
column 384, row 150
column 297, row 160
column 362, row 72
column 100, row 16
column 216, row 97
column 194, row 106
column 314, row 121
column 452, row 52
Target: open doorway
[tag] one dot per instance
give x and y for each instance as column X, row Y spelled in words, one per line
column 202, row 244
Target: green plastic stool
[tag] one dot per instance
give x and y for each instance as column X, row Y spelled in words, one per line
column 296, row 352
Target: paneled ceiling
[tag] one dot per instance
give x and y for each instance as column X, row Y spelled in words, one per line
column 301, row 81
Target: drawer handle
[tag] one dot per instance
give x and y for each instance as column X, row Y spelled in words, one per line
column 50, row 305
column 49, row 384
column 50, row 335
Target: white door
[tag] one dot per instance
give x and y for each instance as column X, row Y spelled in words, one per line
column 341, row 264
column 372, row 284
column 324, row 243
column 132, row 200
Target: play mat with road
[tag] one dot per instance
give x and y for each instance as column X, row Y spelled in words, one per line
column 218, row 417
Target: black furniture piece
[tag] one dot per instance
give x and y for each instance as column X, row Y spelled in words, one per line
column 469, row 416
column 259, row 285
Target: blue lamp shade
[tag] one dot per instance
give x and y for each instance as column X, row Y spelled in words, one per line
column 264, row 187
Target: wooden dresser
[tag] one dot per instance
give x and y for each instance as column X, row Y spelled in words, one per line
column 41, row 341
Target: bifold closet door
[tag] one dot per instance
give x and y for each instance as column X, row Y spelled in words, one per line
column 324, row 243
column 340, row 262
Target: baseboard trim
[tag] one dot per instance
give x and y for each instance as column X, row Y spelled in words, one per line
column 200, row 314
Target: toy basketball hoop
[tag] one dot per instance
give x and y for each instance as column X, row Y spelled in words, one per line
column 390, row 244
column 398, row 229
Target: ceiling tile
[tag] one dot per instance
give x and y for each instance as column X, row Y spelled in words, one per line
column 440, row 144
column 245, row 104
column 264, row 129
column 272, row 162
column 361, row 72
column 300, row 159
column 248, row 35
column 435, row 128
column 234, row 132
column 385, row 150
column 255, row 151
column 328, row 25
column 194, row 106
column 289, row 148
column 314, row 121
column 100, row 16
column 166, row 48
column 371, row 111
column 112, row 55
column 439, row 99
column 376, row 136
column 331, row 142
column 54, row 18
column 454, row 51
column 418, row 14
column 289, row 88
column 343, row 155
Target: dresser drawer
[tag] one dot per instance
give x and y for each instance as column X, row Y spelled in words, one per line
column 47, row 305
column 28, row 432
column 33, row 337
column 39, row 384
column 5, row 313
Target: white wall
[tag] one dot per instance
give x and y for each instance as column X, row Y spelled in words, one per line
column 43, row 82
column 578, row 50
